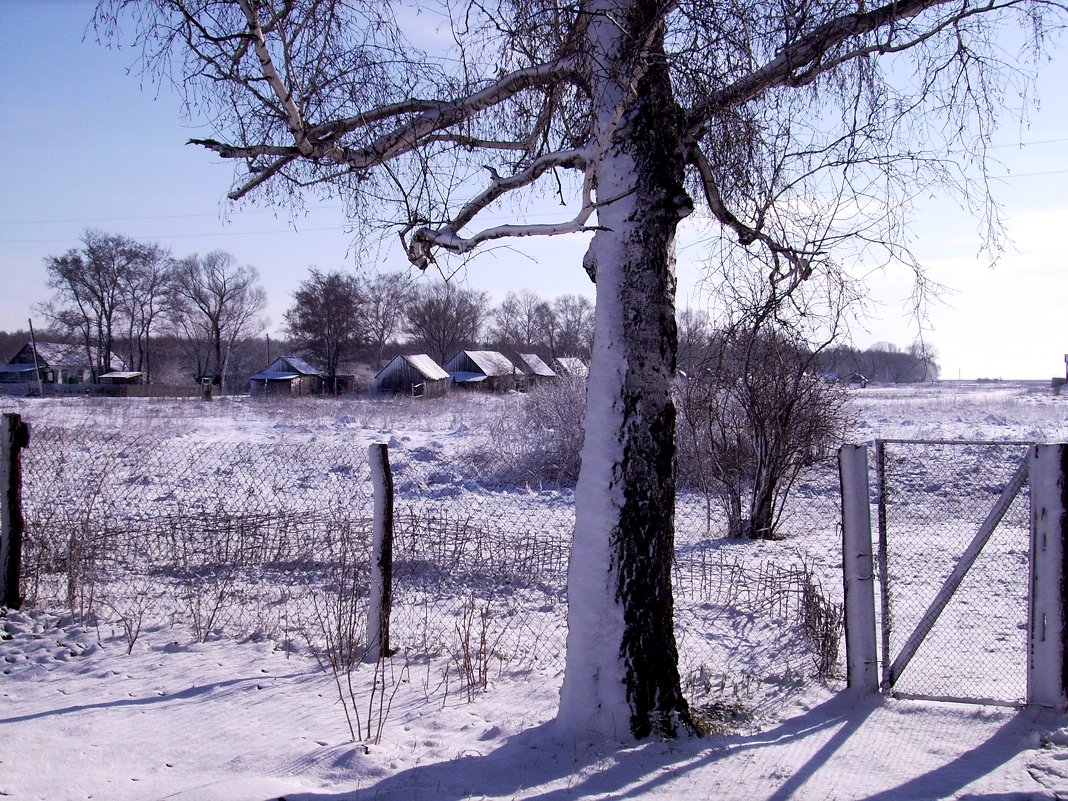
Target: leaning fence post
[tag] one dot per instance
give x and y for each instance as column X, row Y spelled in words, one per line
column 861, row 657
column 380, row 593
column 14, row 436
column 1047, row 656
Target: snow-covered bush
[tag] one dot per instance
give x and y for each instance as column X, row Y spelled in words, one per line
column 538, row 436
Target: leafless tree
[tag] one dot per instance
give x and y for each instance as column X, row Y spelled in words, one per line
column 385, row 297
column 520, row 321
column 217, row 303
column 103, row 290
column 327, row 318
column 790, row 123
column 147, row 288
column 443, row 318
column 573, row 317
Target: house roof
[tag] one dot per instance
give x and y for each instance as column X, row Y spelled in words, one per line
column 532, row 364
column 274, row 375
column 571, row 365
column 469, row 378
column 287, row 367
column 429, row 368
column 61, row 354
column 421, row 363
column 490, row 362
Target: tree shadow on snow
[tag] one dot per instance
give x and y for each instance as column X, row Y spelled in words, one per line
column 527, row 762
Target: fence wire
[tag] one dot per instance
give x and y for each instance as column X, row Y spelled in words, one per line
column 934, row 497
column 271, row 539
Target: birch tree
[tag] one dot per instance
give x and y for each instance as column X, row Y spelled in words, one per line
column 802, row 130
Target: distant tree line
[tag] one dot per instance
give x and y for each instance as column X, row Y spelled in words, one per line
column 882, row 362
column 202, row 316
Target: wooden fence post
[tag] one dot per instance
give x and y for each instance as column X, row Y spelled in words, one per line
column 1047, row 628
column 380, row 591
column 862, row 671
column 14, row 436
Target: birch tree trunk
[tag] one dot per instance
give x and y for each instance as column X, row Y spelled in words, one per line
column 621, row 679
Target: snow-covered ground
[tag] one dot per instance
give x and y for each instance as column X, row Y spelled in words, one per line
column 252, row 715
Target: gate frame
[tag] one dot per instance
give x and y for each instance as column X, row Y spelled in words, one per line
column 1045, row 467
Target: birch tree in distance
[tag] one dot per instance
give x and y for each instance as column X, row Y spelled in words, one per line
column 801, row 129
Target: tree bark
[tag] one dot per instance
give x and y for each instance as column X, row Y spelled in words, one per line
column 622, row 679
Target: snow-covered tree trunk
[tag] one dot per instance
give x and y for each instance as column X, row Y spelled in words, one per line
column 622, row 678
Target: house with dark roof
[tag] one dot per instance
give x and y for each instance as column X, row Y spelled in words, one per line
column 487, row 370
column 287, row 375
column 417, row 376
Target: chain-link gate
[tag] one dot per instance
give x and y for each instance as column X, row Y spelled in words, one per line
column 953, row 527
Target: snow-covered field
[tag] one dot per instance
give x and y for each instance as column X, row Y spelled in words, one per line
column 243, row 708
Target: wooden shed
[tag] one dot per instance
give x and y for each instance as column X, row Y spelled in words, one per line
column 533, row 369
column 417, row 376
column 486, row 370
column 287, row 375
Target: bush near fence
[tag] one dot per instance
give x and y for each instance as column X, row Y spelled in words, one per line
column 272, row 540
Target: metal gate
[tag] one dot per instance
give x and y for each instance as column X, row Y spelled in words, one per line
column 952, row 567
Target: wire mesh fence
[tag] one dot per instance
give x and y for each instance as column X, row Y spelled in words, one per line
column 933, row 500
column 271, row 539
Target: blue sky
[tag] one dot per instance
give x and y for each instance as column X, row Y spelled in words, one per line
column 90, row 146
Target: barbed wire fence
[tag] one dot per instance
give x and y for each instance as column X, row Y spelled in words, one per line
column 272, row 540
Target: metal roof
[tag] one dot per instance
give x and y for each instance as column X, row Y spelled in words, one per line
column 283, row 366
column 572, row 365
column 469, row 378
column 122, row 374
column 274, row 375
column 421, row 363
column 533, row 364
column 429, row 368
column 490, row 362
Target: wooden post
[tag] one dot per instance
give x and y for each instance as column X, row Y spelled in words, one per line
column 380, row 594
column 14, row 436
column 1047, row 657
column 857, row 566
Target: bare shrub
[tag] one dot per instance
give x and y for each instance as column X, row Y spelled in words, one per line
column 538, row 436
column 822, row 622
column 131, row 601
column 754, row 413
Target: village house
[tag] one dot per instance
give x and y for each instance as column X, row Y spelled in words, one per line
column 417, row 376
column 287, row 375
column 54, row 363
column 534, row 370
column 487, row 370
